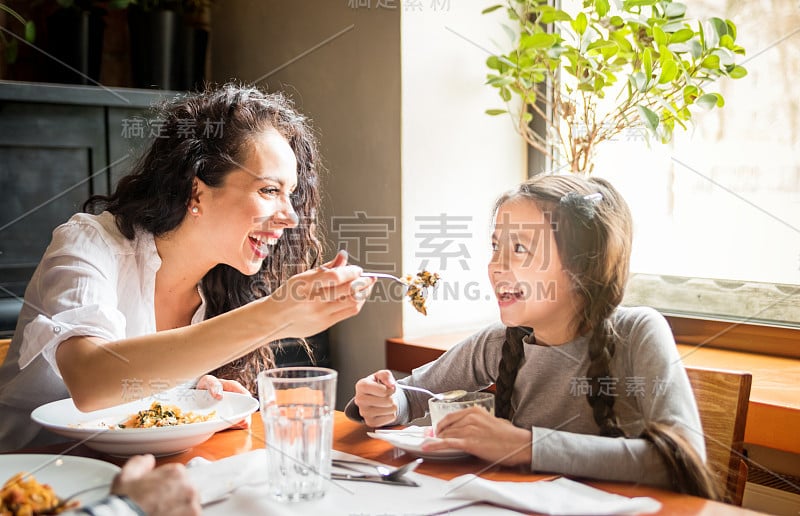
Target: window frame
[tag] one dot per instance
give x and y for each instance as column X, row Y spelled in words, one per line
column 693, row 304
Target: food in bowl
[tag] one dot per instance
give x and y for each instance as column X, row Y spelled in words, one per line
column 163, row 415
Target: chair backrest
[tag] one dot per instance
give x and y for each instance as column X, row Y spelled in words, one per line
column 722, row 399
column 4, row 344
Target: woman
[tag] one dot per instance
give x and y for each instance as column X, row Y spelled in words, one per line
column 196, row 262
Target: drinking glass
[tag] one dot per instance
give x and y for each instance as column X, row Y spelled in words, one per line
column 297, row 406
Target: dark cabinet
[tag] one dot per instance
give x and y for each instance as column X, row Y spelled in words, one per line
column 58, row 145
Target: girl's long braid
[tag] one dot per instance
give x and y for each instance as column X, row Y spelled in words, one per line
column 601, row 351
column 513, row 352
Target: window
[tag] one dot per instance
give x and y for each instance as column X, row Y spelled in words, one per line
column 717, row 211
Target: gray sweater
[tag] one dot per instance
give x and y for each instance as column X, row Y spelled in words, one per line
column 549, row 397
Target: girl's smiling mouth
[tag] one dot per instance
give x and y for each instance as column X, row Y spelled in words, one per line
column 507, row 295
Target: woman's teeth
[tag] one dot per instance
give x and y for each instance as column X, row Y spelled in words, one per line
column 261, row 242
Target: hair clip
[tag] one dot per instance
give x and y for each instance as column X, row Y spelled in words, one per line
column 582, row 205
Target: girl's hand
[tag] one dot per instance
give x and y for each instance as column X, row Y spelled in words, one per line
column 481, row 434
column 374, row 398
column 215, row 386
column 314, row 300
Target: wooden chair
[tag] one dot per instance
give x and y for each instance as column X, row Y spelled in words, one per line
column 4, row 344
column 722, row 399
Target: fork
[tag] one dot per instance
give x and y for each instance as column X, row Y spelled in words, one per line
column 384, row 474
column 63, row 502
column 384, row 275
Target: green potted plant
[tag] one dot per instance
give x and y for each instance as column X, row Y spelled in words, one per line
column 75, row 31
column 169, row 41
column 589, row 75
column 10, row 44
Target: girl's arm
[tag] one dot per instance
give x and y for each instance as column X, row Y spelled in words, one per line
column 471, row 365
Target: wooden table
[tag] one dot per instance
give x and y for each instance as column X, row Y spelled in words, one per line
column 352, row 438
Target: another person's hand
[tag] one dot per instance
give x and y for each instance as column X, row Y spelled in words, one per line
column 216, row 386
column 374, row 398
column 479, row 433
column 315, row 300
column 161, row 491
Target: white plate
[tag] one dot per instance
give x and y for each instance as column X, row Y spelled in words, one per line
column 65, row 474
column 92, row 428
column 412, row 438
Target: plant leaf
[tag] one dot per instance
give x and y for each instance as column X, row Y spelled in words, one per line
column 707, row 101
column 602, row 7
column 627, row 4
column 725, row 56
column 638, row 81
column 649, row 118
column 580, row 23
column 659, row 36
column 675, row 10
column 647, row 62
column 669, row 70
column 737, row 72
column 538, row 40
column 30, row 32
column 719, row 25
column 711, row 62
column 690, row 93
column 492, row 9
column 11, row 51
column 495, row 112
column 695, row 48
column 681, row 35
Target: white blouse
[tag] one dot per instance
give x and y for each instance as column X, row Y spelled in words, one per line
column 91, row 281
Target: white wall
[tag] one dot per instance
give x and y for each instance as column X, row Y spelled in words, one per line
column 456, row 159
column 350, row 87
column 398, row 142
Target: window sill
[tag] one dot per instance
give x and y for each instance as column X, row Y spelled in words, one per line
column 773, row 415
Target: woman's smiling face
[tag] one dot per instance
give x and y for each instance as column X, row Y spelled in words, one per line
column 530, row 283
column 249, row 212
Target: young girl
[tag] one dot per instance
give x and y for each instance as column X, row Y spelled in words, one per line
column 584, row 387
column 196, row 262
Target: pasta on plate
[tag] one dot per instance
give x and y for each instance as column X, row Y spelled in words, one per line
column 163, row 415
column 23, row 495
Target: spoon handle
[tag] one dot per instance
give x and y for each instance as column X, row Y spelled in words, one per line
column 413, row 388
column 382, row 275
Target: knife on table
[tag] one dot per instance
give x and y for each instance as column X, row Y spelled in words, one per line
column 402, row 481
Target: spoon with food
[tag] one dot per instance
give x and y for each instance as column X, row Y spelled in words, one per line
column 416, row 286
column 443, row 396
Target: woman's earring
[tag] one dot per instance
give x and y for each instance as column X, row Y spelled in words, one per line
column 195, row 210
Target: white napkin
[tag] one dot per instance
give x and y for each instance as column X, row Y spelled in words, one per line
column 412, row 438
column 558, row 497
column 238, row 484
column 216, row 480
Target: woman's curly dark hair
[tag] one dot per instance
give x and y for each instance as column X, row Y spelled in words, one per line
column 206, row 136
